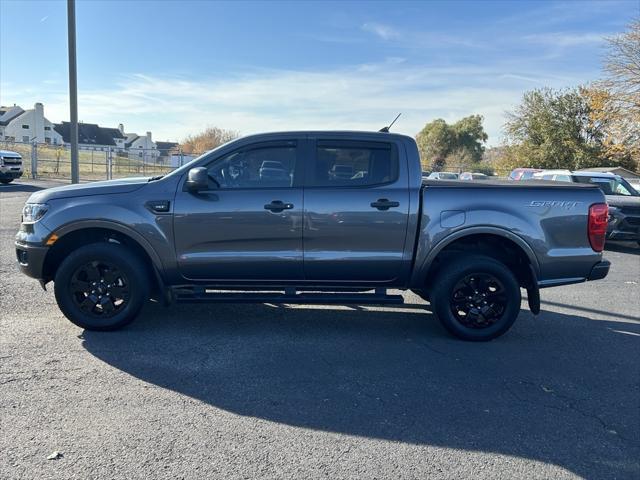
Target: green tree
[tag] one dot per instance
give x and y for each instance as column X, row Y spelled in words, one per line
column 470, row 136
column 435, row 141
column 552, row 129
column 453, row 146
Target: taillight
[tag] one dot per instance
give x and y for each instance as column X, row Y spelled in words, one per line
column 598, row 217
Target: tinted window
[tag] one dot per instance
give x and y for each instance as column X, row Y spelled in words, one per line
column 527, row 175
column 354, row 164
column 609, row 186
column 264, row 167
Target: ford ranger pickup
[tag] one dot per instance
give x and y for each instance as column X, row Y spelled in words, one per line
column 312, row 217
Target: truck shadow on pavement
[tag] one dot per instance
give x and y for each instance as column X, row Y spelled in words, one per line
column 544, row 391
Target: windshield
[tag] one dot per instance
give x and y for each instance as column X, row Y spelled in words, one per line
column 610, row 186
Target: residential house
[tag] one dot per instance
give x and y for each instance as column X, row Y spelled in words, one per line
column 91, row 136
column 165, row 149
column 27, row 126
column 141, row 147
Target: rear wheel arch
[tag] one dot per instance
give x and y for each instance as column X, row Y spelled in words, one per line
column 499, row 244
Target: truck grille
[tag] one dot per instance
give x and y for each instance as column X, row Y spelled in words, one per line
column 12, row 161
column 635, row 221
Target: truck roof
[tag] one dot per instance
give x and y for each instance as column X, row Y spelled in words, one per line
column 338, row 133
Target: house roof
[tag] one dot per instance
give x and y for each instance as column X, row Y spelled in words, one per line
column 165, row 147
column 7, row 114
column 130, row 138
column 88, row 133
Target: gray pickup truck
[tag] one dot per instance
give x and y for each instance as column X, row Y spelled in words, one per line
column 312, row 217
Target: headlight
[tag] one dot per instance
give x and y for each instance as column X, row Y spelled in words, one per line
column 32, row 212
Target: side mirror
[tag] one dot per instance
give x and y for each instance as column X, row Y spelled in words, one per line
column 197, row 179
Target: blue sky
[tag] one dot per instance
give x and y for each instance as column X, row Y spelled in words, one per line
column 176, row 67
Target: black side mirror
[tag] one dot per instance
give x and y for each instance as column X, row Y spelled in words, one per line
column 197, row 179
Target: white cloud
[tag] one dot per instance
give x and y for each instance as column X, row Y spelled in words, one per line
column 566, row 39
column 383, row 31
column 363, row 97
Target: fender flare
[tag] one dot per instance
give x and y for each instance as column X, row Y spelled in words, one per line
column 487, row 230
column 118, row 227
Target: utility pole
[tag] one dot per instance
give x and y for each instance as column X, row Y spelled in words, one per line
column 73, row 90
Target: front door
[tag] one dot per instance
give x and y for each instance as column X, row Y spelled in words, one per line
column 248, row 224
column 356, row 212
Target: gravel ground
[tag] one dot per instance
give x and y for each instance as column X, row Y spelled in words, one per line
column 246, row 391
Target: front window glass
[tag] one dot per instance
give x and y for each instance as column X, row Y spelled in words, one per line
column 265, row 167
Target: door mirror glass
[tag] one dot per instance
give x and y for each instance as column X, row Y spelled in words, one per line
column 197, row 179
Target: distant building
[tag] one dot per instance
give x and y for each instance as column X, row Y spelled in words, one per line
column 623, row 172
column 91, row 136
column 165, row 149
column 26, row 126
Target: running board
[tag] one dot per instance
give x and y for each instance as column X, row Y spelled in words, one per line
column 206, row 295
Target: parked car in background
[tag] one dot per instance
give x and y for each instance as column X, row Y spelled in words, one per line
column 635, row 183
column 442, row 176
column 10, row 166
column 622, row 198
column 555, row 175
column 523, row 173
column 623, row 201
column 472, row 176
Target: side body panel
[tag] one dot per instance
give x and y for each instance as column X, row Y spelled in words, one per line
column 549, row 224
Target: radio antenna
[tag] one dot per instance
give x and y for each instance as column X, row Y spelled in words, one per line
column 386, row 129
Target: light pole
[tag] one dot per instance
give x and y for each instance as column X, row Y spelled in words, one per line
column 73, row 90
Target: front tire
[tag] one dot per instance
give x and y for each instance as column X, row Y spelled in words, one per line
column 6, row 180
column 101, row 286
column 477, row 298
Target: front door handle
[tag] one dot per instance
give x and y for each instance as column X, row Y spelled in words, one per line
column 278, row 206
column 384, row 204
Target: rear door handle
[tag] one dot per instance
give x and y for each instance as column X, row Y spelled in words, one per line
column 278, row 206
column 384, row 204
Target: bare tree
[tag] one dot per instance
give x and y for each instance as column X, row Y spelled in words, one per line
column 622, row 65
column 211, row 138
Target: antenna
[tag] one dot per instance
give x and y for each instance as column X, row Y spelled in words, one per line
column 386, row 129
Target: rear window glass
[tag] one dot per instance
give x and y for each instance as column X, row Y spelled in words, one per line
column 347, row 164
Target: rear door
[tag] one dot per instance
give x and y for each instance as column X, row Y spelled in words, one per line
column 356, row 211
column 248, row 225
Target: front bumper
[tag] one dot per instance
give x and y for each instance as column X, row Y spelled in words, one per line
column 599, row 270
column 10, row 174
column 31, row 259
column 624, row 226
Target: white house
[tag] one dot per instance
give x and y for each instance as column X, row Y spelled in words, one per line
column 142, row 147
column 18, row 125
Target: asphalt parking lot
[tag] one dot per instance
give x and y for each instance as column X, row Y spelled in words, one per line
column 272, row 391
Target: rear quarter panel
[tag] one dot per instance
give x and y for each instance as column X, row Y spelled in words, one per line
column 548, row 222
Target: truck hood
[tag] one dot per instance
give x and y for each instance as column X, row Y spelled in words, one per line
column 623, row 201
column 108, row 187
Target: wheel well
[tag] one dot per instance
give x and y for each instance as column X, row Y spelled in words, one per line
column 78, row 238
column 500, row 248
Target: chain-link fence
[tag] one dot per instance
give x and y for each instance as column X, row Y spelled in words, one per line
column 42, row 160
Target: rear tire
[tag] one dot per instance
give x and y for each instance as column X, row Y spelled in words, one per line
column 101, row 286
column 6, row 180
column 477, row 298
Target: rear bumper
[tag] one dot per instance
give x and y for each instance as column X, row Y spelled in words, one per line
column 31, row 259
column 599, row 270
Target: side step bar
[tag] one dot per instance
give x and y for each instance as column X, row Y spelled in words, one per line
column 206, row 295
